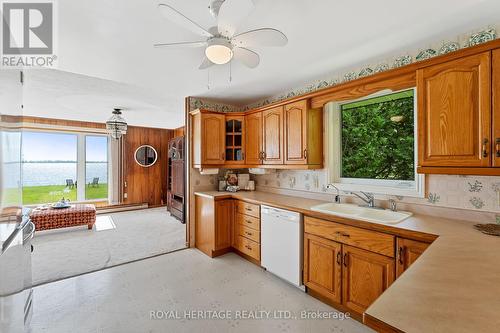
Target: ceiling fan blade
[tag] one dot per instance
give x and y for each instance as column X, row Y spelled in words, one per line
column 178, row 18
column 260, row 37
column 247, row 57
column 181, row 45
column 231, row 13
column 206, row 63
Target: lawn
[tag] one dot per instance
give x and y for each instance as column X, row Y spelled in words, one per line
column 53, row 193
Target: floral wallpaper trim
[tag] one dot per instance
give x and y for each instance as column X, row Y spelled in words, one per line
column 474, row 39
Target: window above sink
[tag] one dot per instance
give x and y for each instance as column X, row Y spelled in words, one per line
column 371, row 144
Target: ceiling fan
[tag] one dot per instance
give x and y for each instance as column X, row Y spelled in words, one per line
column 221, row 43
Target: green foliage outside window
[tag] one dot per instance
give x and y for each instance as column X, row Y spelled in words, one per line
column 378, row 138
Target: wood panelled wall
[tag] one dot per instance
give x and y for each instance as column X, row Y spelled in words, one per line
column 179, row 131
column 146, row 185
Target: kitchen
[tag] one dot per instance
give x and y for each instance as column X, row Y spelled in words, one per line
column 363, row 253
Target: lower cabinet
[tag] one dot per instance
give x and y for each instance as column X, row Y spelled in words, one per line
column 365, row 276
column 345, row 274
column 213, row 221
column 408, row 252
column 323, row 266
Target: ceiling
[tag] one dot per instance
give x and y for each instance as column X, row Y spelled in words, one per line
column 109, row 43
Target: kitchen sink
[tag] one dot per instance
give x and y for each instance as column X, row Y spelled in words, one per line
column 362, row 213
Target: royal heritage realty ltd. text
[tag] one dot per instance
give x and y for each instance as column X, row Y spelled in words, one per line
column 245, row 314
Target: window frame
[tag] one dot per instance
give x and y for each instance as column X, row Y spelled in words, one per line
column 80, row 160
column 414, row 188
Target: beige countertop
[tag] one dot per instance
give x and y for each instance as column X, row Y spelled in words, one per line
column 453, row 287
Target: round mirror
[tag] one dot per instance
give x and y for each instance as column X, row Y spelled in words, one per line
column 146, row 156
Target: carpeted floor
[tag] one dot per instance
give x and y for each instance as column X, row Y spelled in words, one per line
column 115, row 239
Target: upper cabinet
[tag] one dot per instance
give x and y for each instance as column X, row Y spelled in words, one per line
column 454, row 113
column 496, row 109
column 303, row 134
column 208, row 138
column 272, row 136
column 235, row 143
column 253, row 138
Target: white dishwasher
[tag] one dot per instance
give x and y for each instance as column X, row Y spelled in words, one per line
column 281, row 244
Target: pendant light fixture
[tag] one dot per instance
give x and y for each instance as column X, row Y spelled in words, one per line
column 116, row 125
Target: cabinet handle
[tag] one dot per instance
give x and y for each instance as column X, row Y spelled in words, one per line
column 497, row 147
column 339, row 258
column 248, row 233
column 345, row 259
column 485, row 149
column 242, row 156
column 264, row 155
column 339, row 233
column 400, row 255
column 248, row 221
column 223, row 155
column 248, row 247
column 305, row 153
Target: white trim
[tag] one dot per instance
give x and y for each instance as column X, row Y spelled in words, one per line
column 379, row 186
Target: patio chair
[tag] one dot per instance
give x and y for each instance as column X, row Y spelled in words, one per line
column 95, row 182
column 69, row 183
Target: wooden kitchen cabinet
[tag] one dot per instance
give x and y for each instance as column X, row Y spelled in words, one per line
column 365, row 276
column 408, row 252
column 253, row 138
column 272, row 136
column 235, row 140
column 323, row 266
column 213, row 221
column 208, row 138
column 496, row 108
column 454, row 113
column 303, row 131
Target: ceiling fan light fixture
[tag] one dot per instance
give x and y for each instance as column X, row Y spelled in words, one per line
column 219, row 51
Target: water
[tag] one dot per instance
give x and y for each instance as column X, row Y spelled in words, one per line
column 41, row 174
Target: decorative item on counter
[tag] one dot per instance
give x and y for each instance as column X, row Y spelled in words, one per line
column 232, row 179
column 222, row 185
column 426, row 54
column 449, row 47
column 251, row 185
column 489, row 229
column 243, row 179
column 232, row 188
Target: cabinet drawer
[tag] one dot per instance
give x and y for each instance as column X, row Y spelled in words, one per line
column 248, row 221
column 249, row 233
column 248, row 247
column 365, row 239
column 248, row 209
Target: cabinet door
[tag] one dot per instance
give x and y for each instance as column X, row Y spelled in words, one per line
column 272, row 135
column 178, row 178
column 365, row 277
column 253, row 138
column 235, row 143
column 295, row 128
column 223, row 219
column 408, row 253
column 213, row 133
column 496, row 108
column 322, row 266
column 454, row 113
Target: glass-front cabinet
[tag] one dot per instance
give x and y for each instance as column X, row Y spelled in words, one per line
column 235, row 149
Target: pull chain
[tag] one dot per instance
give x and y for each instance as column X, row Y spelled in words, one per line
column 230, row 71
column 208, row 79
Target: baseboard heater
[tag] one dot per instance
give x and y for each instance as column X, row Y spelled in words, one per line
column 120, row 208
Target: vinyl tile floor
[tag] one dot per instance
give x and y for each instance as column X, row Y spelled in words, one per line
column 183, row 291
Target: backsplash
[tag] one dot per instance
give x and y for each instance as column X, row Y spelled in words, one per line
column 465, row 192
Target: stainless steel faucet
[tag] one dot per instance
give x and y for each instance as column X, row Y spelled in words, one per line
column 337, row 197
column 369, row 199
